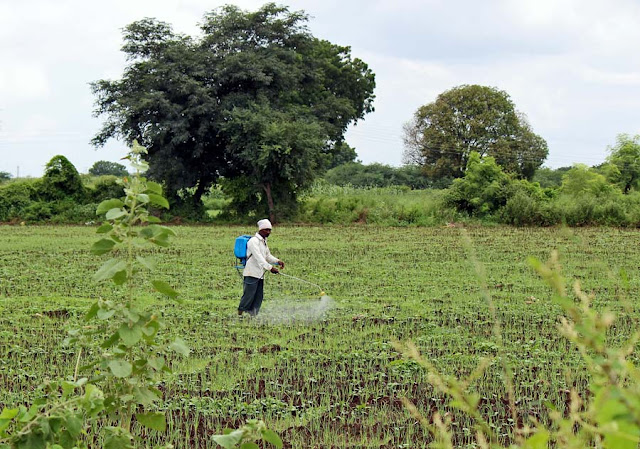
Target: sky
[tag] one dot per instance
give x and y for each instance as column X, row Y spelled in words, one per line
column 572, row 66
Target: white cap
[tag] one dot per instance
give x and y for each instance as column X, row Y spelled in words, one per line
column 264, row 224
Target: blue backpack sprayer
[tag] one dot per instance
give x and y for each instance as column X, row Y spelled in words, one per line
column 240, row 251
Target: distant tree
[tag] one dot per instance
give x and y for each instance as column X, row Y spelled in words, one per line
column 582, row 180
column 61, row 181
column 377, row 175
column 550, row 177
column 625, row 159
column 182, row 97
column 101, row 168
column 442, row 134
column 341, row 154
column 4, row 176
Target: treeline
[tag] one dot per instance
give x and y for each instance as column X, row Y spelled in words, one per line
column 62, row 195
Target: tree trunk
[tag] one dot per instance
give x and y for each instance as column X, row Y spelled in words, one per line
column 272, row 212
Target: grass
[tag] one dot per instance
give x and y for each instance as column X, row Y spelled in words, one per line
column 334, row 380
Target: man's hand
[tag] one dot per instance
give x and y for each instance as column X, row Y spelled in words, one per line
column 274, row 270
column 281, row 263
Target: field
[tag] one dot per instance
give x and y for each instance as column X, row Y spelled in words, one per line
column 324, row 373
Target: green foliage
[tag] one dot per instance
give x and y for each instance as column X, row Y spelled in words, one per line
column 61, row 181
column 102, row 168
column 483, row 190
column 105, row 187
column 280, row 152
column 193, row 101
column 4, row 176
column 582, row 180
column 377, row 175
column 245, row 437
column 471, row 118
column 549, row 177
column 625, row 161
column 15, row 197
column 388, row 206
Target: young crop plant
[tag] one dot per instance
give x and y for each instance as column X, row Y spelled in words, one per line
column 605, row 416
column 120, row 386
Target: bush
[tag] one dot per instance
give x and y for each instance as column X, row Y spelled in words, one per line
column 16, row 196
column 483, row 189
column 105, row 187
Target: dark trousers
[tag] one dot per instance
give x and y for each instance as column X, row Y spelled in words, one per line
column 252, row 295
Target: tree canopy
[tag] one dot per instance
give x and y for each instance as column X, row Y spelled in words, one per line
column 624, row 158
column 101, row 168
column 442, row 134
column 256, row 101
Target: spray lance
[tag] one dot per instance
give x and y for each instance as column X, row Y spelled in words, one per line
column 322, row 292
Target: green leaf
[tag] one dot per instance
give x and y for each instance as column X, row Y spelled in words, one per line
column 117, row 438
column 93, row 311
column 271, row 437
column 145, row 396
column 159, row 200
column 152, row 420
column 157, row 363
column 249, row 445
column 146, row 262
column 115, row 213
column 109, row 269
column 142, row 198
column 105, row 314
column 9, row 413
column 107, row 205
column 130, row 335
column 103, row 229
column 152, row 219
column 540, row 440
column 120, row 277
column 109, row 342
column 180, row 347
column 73, row 425
column 120, row 368
column 102, row 246
column 154, row 187
column 164, row 288
column 230, row 440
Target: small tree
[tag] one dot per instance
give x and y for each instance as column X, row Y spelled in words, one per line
column 483, row 190
column 101, row 168
column 61, row 181
column 625, row 156
column 4, row 176
column 581, row 180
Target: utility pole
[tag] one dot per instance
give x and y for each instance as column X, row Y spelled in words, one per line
column 18, row 174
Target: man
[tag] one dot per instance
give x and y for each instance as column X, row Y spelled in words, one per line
column 259, row 259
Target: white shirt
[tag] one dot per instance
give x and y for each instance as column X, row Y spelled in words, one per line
column 259, row 257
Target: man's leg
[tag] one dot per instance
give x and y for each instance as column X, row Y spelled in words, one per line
column 249, row 287
column 257, row 299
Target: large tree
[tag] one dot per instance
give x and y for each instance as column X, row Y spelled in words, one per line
column 467, row 118
column 256, row 101
column 101, row 168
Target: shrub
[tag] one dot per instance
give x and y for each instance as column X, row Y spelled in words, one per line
column 61, row 180
column 15, row 196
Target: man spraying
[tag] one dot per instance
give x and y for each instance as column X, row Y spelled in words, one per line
column 259, row 259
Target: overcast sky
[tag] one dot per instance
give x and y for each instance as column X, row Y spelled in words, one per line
column 572, row 66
